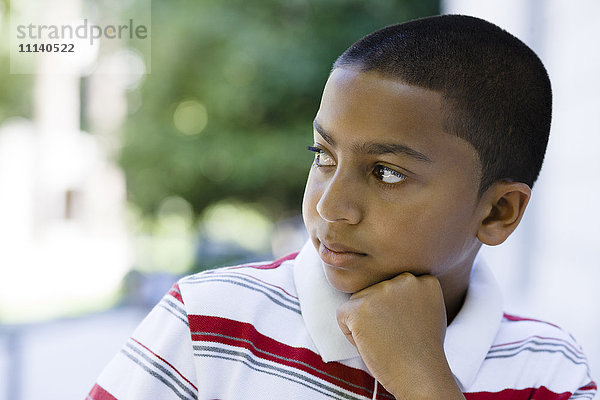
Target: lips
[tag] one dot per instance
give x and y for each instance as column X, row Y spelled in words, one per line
column 339, row 255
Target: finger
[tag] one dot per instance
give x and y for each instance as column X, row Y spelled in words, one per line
column 400, row 279
column 342, row 315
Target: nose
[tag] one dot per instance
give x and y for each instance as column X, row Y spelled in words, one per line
column 340, row 200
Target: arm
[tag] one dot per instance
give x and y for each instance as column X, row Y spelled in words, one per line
column 398, row 327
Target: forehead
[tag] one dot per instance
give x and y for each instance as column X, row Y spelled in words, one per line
column 359, row 107
column 368, row 99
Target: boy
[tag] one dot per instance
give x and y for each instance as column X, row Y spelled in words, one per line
column 427, row 141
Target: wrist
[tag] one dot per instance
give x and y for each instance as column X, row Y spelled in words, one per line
column 429, row 381
column 447, row 390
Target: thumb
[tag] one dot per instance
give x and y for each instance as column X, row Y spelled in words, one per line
column 343, row 317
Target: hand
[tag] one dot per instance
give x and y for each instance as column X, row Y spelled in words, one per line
column 398, row 327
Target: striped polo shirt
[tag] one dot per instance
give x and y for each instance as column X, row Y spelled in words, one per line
column 269, row 331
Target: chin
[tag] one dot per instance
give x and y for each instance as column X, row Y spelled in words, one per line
column 341, row 283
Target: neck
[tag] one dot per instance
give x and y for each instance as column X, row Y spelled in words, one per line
column 454, row 285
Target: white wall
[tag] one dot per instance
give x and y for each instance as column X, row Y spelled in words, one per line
column 550, row 267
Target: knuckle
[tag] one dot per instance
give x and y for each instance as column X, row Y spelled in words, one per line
column 405, row 277
column 408, row 276
column 430, row 280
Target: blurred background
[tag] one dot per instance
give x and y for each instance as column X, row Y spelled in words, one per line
column 191, row 155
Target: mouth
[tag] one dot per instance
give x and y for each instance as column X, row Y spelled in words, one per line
column 339, row 255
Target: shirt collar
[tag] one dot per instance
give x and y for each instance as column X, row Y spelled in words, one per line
column 468, row 338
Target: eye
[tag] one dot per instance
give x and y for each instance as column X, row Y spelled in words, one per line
column 388, row 175
column 322, row 158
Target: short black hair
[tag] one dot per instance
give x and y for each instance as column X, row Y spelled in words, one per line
column 496, row 91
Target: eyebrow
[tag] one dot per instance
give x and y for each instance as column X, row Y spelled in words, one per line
column 375, row 148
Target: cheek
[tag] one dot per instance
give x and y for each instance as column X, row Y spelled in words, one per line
column 425, row 235
column 310, row 200
column 449, row 235
column 410, row 230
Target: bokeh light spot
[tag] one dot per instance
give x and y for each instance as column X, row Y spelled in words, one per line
column 190, row 117
column 238, row 223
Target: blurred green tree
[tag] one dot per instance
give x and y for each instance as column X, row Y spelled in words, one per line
column 15, row 90
column 234, row 85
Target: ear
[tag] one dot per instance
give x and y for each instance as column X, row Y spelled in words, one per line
column 503, row 205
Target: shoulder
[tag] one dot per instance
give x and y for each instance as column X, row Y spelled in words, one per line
column 261, row 281
column 522, row 336
column 538, row 354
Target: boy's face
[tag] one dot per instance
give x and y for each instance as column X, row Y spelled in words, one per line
column 390, row 191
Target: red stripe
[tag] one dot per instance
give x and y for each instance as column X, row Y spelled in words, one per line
column 166, row 362
column 176, row 292
column 541, row 393
column 511, row 317
column 244, row 335
column 589, row 386
column 272, row 265
column 98, row 393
